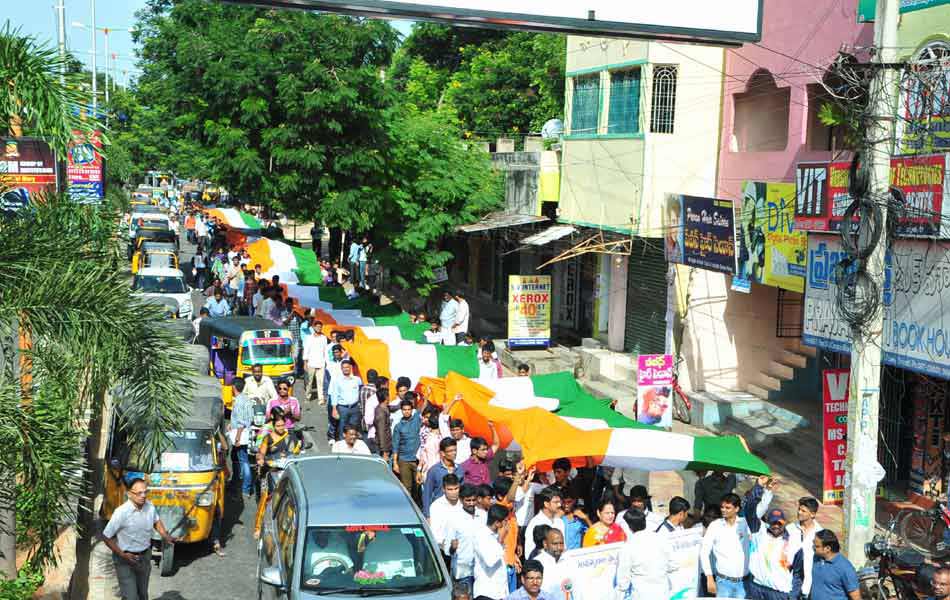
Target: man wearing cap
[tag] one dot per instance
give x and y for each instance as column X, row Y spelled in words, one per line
column 774, row 555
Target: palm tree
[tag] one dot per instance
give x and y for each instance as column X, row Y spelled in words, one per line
column 70, row 327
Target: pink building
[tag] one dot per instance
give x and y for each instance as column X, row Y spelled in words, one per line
column 771, row 93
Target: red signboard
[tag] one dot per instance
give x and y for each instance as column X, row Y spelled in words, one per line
column 834, row 448
column 822, row 195
column 27, row 168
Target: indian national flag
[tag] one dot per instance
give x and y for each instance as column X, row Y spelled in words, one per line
column 545, row 436
column 293, row 264
column 236, row 219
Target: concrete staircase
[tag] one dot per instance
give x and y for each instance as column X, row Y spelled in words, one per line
column 792, row 355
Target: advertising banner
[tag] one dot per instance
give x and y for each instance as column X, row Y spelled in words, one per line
column 654, row 389
column 834, row 446
column 84, row 168
column 700, row 232
column 529, row 310
column 916, row 333
column 822, row 195
column 684, row 550
column 590, row 573
column 771, row 250
column 27, row 169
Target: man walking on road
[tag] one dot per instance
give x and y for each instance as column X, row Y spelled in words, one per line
column 727, row 539
column 345, row 396
column 432, row 489
column 217, row 306
column 833, row 577
column 314, row 363
column 491, row 574
column 406, row 444
column 550, row 500
column 242, row 417
column 129, row 535
column 644, row 563
column 549, row 557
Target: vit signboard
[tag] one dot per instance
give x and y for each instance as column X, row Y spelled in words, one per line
column 724, row 22
column 917, row 285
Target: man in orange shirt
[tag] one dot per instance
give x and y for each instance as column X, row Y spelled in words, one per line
column 190, row 227
column 505, row 490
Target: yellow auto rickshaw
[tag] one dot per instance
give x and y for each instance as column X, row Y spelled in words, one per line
column 187, row 485
column 236, row 344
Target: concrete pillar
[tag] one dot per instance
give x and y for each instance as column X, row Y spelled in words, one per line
column 505, row 145
column 533, row 144
column 617, row 305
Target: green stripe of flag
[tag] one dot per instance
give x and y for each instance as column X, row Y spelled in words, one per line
column 250, row 220
column 461, row 359
column 576, row 402
column 714, row 452
column 308, row 270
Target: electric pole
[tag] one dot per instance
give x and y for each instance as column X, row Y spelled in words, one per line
column 95, row 100
column 61, row 26
column 866, row 345
column 105, row 33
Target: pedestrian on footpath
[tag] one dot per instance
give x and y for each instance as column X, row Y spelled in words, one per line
column 406, row 444
column 727, row 541
column 491, row 574
column 532, row 579
column 645, row 561
column 833, row 576
column 448, row 315
column 242, row 418
column 129, row 535
column 774, row 555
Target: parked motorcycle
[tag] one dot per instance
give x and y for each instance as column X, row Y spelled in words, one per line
column 894, row 571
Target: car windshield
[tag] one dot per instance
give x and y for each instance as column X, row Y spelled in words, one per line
column 268, row 351
column 363, row 559
column 189, row 450
column 155, row 284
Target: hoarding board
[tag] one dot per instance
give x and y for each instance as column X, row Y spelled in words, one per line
column 834, row 446
column 771, row 250
column 655, row 389
column 529, row 310
column 725, row 22
column 27, row 169
column 700, row 232
column 916, row 333
column 84, row 168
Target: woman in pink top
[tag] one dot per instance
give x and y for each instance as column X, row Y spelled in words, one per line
column 287, row 403
column 429, row 437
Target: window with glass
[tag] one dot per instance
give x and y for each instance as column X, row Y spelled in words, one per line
column 663, row 110
column 369, row 560
column 624, row 115
column 585, row 104
column 189, row 451
column 157, row 284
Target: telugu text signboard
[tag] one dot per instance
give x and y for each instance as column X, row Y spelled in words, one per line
column 27, row 169
column 822, row 195
column 655, row 389
column 84, row 168
column 834, row 447
column 916, row 332
column 771, row 249
column 529, row 310
column 700, row 232
column 737, row 21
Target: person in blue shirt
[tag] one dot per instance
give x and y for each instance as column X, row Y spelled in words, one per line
column 217, row 306
column 406, row 443
column 576, row 522
column 832, row 576
column 432, row 488
column 345, row 397
column 532, row 574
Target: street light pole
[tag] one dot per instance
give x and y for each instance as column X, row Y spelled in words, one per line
column 61, row 22
column 95, row 102
column 105, row 32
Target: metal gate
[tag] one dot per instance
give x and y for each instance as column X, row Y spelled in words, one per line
column 645, row 323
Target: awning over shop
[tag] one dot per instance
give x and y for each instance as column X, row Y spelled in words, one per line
column 497, row 220
column 551, row 234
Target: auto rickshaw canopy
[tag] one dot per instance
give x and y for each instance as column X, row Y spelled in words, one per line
column 233, row 327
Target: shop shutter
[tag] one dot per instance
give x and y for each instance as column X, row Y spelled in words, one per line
column 645, row 323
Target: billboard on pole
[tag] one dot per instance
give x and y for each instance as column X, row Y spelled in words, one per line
column 27, row 169
column 84, row 168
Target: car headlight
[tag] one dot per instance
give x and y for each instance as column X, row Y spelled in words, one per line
column 205, row 499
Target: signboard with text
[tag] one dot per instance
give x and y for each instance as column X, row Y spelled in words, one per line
column 867, row 9
column 529, row 310
column 700, row 232
column 655, row 389
column 84, row 168
column 916, row 333
column 822, row 195
column 771, row 249
column 834, row 446
column 27, row 169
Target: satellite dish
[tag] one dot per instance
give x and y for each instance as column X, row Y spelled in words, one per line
column 553, row 129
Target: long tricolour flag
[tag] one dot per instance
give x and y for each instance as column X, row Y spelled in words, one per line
column 236, row 219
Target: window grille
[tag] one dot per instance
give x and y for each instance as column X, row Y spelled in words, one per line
column 624, row 115
column 663, row 111
column 585, row 109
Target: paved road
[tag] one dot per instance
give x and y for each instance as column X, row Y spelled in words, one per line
column 200, row 574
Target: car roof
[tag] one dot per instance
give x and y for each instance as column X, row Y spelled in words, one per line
column 160, row 272
column 344, row 489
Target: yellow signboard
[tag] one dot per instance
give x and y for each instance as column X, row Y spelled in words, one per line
column 771, row 251
column 529, row 310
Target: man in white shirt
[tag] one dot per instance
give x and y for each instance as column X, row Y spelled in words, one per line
column 488, row 367
column 445, row 509
column 455, row 429
column 727, row 540
column 315, row 362
column 550, row 499
column 644, row 563
column 679, row 509
column 259, row 387
column 491, row 573
column 805, row 530
column 350, row 443
column 447, row 318
column 462, row 317
column 459, row 542
column 554, row 575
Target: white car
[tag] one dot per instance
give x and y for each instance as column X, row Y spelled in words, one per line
column 164, row 282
